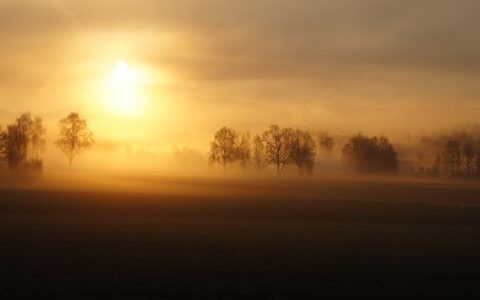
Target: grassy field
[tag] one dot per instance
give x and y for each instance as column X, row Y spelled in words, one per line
column 239, row 238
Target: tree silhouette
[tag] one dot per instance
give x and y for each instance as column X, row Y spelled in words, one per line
column 326, row 142
column 259, row 152
column 16, row 145
column 23, row 141
column 469, row 154
column 370, row 154
column 477, row 163
column 436, row 165
column 452, row 156
column 37, row 139
column 26, row 124
column 3, row 144
column 278, row 146
column 74, row 137
column 302, row 151
column 224, row 147
column 243, row 150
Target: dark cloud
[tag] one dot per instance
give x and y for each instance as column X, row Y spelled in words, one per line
column 276, row 36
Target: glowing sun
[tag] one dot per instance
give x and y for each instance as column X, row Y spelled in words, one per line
column 123, row 89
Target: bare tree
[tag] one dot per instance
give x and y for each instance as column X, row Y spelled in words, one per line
column 243, row 150
column 436, row 165
column 302, row 152
column 452, row 156
column 38, row 142
column 25, row 123
column 326, row 142
column 278, row 146
column 21, row 143
column 3, row 144
column 224, row 147
column 3, row 148
column 476, row 160
column 259, row 152
column 74, row 137
column 24, row 140
column 16, row 141
column 477, row 163
column 469, row 154
column 16, row 145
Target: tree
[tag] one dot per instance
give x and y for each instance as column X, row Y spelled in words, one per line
column 74, row 137
column 370, row 154
column 3, row 144
column 477, row 163
column 23, row 141
column 259, row 152
column 452, row 156
column 25, row 124
column 302, row 152
column 38, row 142
column 476, row 160
column 326, row 142
column 278, row 146
column 243, row 150
column 469, row 154
column 436, row 165
column 16, row 145
column 224, row 148
column 387, row 155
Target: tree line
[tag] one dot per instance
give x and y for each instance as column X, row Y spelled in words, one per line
column 280, row 147
column 458, row 156
column 276, row 146
column 22, row 143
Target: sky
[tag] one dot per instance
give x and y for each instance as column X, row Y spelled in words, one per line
column 190, row 67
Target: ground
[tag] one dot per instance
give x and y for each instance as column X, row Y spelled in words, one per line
column 214, row 238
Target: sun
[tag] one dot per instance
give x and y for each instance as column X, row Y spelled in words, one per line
column 123, row 90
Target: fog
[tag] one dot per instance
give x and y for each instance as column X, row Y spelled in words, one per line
column 231, row 149
column 402, row 70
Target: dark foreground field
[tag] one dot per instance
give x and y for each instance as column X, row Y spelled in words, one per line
column 242, row 239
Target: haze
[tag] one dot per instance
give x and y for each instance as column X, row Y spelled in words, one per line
column 239, row 149
column 380, row 67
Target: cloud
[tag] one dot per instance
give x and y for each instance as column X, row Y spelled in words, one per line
column 245, row 39
column 337, row 57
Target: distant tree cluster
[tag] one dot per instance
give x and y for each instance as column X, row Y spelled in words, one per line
column 459, row 158
column 326, row 142
column 276, row 146
column 23, row 142
column 455, row 154
column 370, row 154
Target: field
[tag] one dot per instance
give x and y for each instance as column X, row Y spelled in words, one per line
column 241, row 238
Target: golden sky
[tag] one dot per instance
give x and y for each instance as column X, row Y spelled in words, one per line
column 193, row 66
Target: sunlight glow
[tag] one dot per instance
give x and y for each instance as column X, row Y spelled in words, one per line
column 123, row 90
